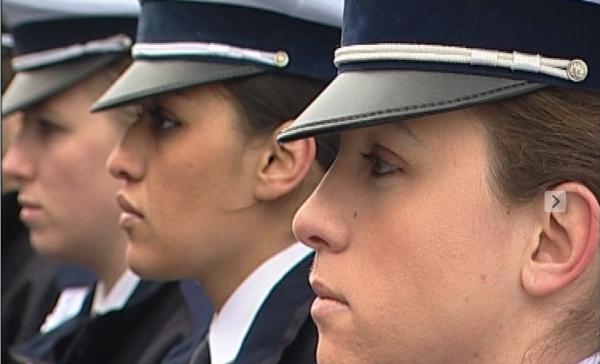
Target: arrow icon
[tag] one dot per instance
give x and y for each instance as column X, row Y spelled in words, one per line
column 557, row 201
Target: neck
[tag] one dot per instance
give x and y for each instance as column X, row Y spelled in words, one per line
column 111, row 267
column 221, row 278
column 266, row 230
column 531, row 335
column 109, row 276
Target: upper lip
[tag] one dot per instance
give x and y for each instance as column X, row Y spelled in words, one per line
column 27, row 202
column 323, row 291
column 127, row 206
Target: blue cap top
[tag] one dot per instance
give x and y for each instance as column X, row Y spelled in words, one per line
column 407, row 58
column 184, row 43
column 52, row 31
column 57, row 43
column 547, row 41
column 293, row 36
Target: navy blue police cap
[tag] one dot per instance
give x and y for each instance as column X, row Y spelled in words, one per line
column 407, row 58
column 57, row 43
column 193, row 42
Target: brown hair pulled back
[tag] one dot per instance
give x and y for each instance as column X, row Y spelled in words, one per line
column 542, row 139
column 538, row 141
column 266, row 100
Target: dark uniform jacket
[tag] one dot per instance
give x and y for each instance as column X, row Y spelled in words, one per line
column 154, row 320
column 282, row 332
column 30, row 283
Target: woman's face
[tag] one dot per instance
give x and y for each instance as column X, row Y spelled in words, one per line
column 419, row 256
column 188, row 171
column 57, row 160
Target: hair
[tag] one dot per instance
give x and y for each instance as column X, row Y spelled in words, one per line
column 539, row 140
column 7, row 71
column 102, row 79
column 266, row 100
column 108, row 74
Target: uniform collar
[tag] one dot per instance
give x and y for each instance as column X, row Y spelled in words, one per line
column 117, row 297
column 594, row 359
column 231, row 325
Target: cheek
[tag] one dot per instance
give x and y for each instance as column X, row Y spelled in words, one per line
column 161, row 259
column 421, row 277
column 83, row 190
column 182, row 188
column 77, row 191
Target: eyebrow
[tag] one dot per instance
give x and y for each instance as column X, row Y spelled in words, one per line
column 406, row 131
column 45, row 113
column 184, row 95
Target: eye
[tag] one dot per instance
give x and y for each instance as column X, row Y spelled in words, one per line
column 161, row 121
column 380, row 167
column 47, row 128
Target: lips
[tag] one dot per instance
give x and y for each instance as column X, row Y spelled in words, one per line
column 130, row 215
column 31, row 211
column 126, row 206
column 324, row 292
column 27, row 202
column 328, row 303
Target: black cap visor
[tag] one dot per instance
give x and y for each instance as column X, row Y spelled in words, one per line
column 366, row 98
column 148, row 78
column 28, row 88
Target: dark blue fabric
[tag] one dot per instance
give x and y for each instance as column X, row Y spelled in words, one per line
column 39, row 36
column 552, row 28
column 310, row 45
column 198, row 304
column 280, row 317
column 72, row 276
column 142, row 332
column 182, row 353
column 282, row 331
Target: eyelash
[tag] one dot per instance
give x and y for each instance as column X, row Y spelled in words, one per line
column 379, row 167
column 47, row 127
column 160, row 122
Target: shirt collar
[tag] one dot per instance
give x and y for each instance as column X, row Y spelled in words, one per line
column 117, row 297
column 594, row 359
column 230, row 326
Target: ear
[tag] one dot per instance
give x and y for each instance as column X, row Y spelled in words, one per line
column 283, row 166
column 564, row 243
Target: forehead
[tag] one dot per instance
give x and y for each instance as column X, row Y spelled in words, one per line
column 432, row 131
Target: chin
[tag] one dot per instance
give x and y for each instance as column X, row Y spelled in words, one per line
column 150, row 268
column 329, row 354
column 47, row 246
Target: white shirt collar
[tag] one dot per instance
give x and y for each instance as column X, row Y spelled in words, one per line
column 69, row 304
column 230, row 326
column 118, row 295
column 594, row 359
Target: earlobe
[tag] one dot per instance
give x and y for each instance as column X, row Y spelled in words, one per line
column 564, row 244
column 284, row 166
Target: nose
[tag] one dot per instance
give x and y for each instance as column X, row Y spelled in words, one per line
column 126, row 160
column 18, row 162
column 320, row 222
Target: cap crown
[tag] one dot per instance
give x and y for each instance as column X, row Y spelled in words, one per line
column 293, row 36
column 52, row 31
column 544, row 41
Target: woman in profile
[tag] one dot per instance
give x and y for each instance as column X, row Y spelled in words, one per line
column 209, row 194
column 66, row 54
column 459, row 222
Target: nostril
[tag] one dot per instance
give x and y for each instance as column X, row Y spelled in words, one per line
column 316, row 242
column 15, row 166
column 313, row 241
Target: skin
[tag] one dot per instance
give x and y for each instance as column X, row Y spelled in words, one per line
column 202, row 195
column 57, row 163
column 417, row 260
column 10, row 128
